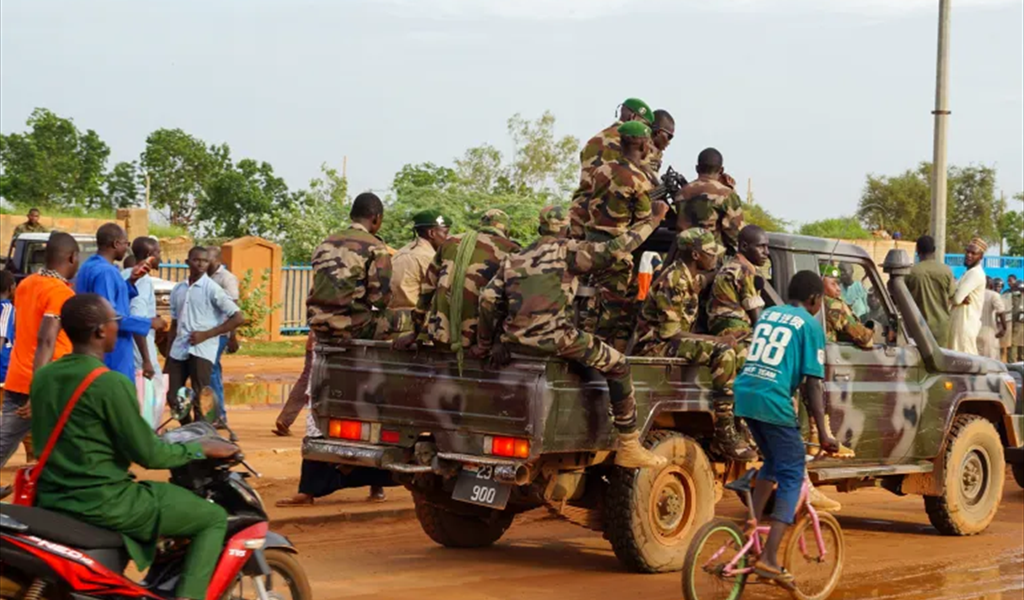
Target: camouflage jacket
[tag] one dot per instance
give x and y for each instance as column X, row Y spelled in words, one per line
column 621, row 196
column 604, row 147
column 431, row 313
column 530, row 298
column 733, row 293
column 842, row 326
column 709, row 203
column 351, row 285
column 652, row 166
column 671, row 306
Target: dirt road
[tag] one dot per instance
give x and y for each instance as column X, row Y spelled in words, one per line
column 891, row 553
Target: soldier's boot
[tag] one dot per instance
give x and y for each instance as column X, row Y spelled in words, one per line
column 631, row 454
column 728, row 443
column 844, row 452
column 822, row 502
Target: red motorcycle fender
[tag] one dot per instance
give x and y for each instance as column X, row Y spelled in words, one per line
column 257, row 563
column 81, row 572
column 235, row 555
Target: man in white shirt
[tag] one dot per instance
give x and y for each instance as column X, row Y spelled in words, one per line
column 968, row 301
column 144, row 305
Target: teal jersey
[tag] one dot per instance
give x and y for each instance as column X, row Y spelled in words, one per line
column 788, row 344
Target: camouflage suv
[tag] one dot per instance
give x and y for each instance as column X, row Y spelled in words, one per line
column 477, row 448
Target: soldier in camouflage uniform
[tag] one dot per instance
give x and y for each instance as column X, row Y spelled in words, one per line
column 351, row 278
column 529, row 302
column 840, row 323
column 666, row 325
column 711, row 201
column 605, row 147
column 662, row 132
column 409, row 269
column 433, row 313
column 735, row 302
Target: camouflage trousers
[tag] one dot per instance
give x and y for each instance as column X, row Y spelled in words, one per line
column 398, row 321
column 720, row 358
column 735, row 327
column 339, row 329
column 589, row 351
column 617, row 304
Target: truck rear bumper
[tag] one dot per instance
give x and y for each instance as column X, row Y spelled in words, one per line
column 393, row 459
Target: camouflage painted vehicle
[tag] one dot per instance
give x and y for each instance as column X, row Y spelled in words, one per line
column 477, row 447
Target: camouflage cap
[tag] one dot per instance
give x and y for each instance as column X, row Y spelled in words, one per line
column 698, row 238
column 634, row 129
column 641, row 108
column 496, row 219
column 430, row 218
column 553, row 219
column 830, row 270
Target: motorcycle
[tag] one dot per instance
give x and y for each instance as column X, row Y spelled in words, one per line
column 48, row 555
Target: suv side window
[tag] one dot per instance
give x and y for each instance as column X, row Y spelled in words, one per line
column 862, row 293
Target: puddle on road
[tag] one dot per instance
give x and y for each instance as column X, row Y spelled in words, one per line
column 1002, row 579
column 256, row 393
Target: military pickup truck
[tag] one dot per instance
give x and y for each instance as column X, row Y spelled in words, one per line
column 478, row 447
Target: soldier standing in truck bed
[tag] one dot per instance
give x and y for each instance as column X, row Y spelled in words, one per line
column 736, row 303
column 605, row 147
column 840, row 323
column 351, row 278
column 711, row 202
column 662, row 132
column 409, row 268
column 462, row 266
column 665, row 329
column 529, row 303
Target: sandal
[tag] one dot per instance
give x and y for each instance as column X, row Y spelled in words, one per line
column 292, row 502
column 780, row 576
column 280, row 430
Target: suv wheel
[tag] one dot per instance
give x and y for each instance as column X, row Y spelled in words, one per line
column 651, row 516
column 1018, row 474
column 975, row 471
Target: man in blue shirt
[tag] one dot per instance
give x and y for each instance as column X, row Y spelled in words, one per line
column 201, row 312
column 98, row 275
column 787, row 351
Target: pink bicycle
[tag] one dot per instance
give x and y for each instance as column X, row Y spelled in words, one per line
column 721, row 556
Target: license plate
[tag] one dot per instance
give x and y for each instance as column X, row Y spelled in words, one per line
column 477, row 486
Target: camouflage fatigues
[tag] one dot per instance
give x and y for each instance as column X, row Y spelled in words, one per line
column 605, row 147
column 27, row 227
column 713, row 205
column 351, row 286
column 431, row 313
column 652, row 165
column 733, row 294
column 668, row 314
column 408, row 272
column 842, row 326
column 532, row 294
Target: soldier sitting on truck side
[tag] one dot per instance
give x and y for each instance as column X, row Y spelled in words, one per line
column 711, row 202
column 409, row 268
column 735, row 300
column 665, row 329
column 529, row 302
column 464, row 264
column 351, row 278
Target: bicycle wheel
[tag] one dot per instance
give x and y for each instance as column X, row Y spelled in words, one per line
column 714, row 546
column 816, row 574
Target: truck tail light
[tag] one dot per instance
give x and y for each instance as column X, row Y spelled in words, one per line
column 349, row 430
column 507, row 446
column 388, row 436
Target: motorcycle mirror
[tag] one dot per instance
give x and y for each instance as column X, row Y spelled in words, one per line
column 181, row 405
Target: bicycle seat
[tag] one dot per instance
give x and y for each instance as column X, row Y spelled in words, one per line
column 743, row 484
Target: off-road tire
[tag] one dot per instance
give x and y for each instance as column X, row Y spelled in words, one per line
column 453, row 530
column 1018, row 474
column 975, row 471
column 685, row 501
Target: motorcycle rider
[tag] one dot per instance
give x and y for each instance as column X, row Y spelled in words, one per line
column 87, row 475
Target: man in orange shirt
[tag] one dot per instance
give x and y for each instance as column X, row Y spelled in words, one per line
column 38, row 338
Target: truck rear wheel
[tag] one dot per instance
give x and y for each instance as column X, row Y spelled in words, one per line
column 1018, row 474
column 975, row 471
column 453, row 530
column 651, row 516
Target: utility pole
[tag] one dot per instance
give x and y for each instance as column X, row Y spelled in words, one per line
column 750, row 190
column 941, row 113
column 344, row 167
column 146, row 173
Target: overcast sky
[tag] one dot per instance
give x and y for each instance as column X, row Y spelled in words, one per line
column 803, row 96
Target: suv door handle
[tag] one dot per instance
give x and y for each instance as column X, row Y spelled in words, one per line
column 841, row 378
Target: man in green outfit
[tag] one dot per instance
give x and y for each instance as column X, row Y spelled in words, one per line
column 87, row 475
column 931, row 285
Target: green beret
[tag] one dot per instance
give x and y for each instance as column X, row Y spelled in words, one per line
column 698, row 238
column 553, row 219
column 829, row 270
column 634, row 129
column 496, row 219
column 641, row 108
column 430, row 218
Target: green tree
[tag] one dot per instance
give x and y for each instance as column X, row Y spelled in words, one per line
column 903, row 203
column 481, row 170
column 317, row 213
column 840, row 228
column 755, row 214
column 1011, row 229
column 53, row 164
column 122, row 184
column 181, row 167
column 542, row 163
column 247, row 199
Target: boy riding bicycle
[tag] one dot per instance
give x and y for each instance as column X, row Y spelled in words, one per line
column 787, row 351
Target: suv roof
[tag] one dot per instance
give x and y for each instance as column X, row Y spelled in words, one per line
column 42, row 237
column 804, row 243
